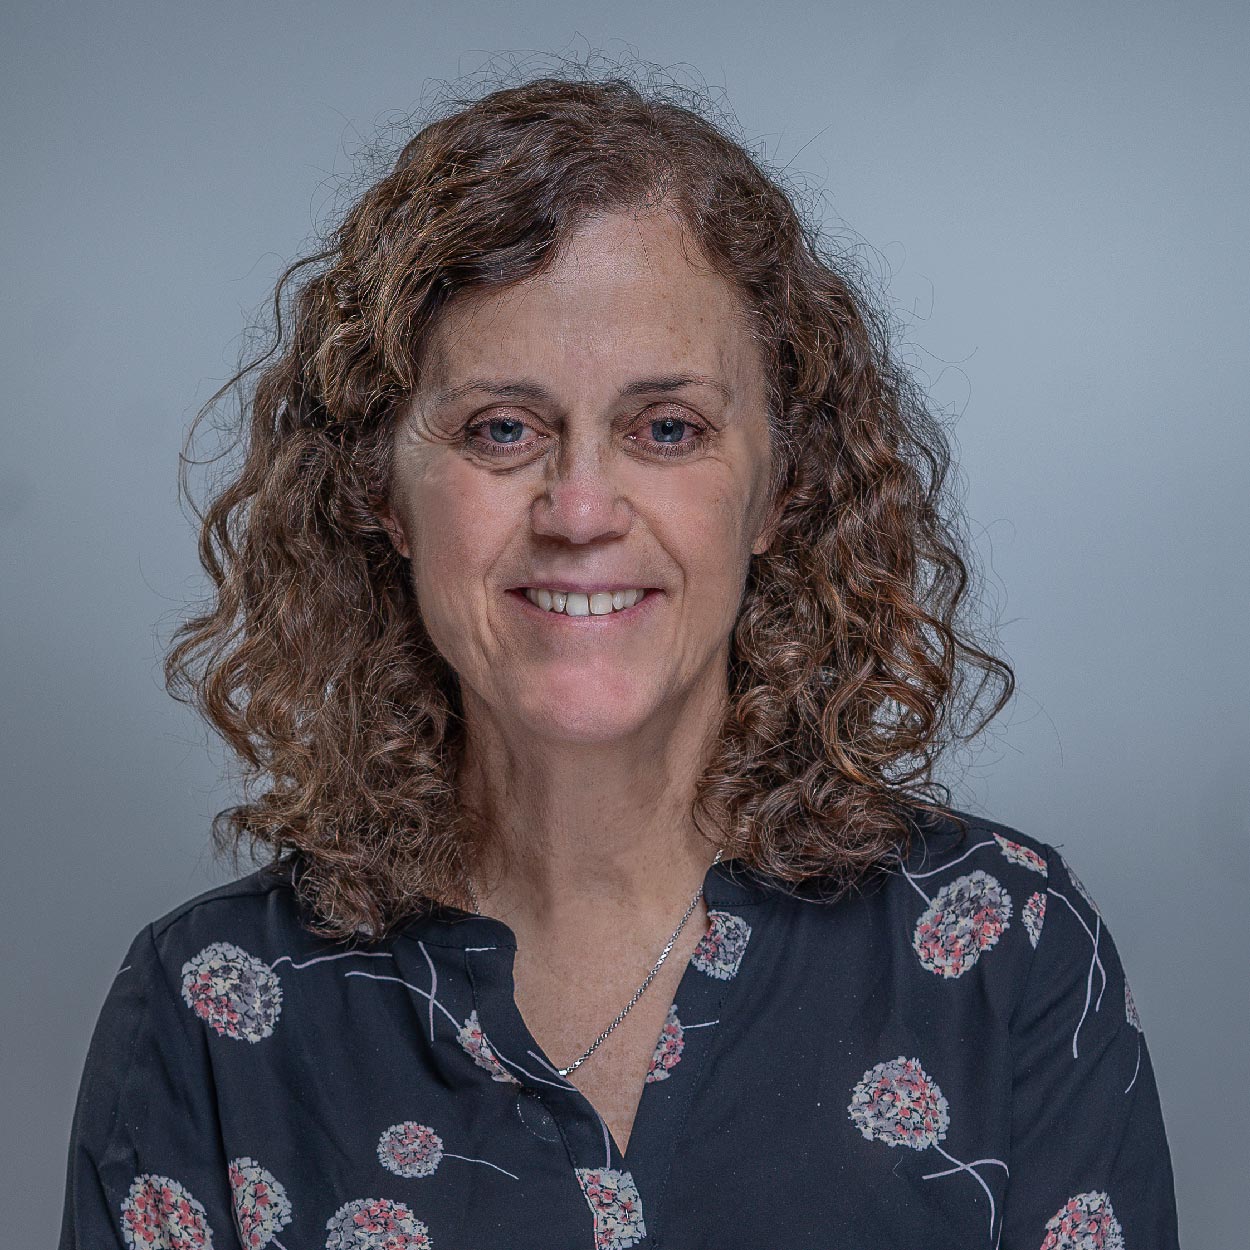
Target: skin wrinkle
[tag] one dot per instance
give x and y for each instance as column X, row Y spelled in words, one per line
column 577, row 859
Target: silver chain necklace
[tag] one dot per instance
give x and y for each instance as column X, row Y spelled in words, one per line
column 577, row 1063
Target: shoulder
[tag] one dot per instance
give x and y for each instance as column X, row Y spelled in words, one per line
column 215, row 953
column 953, row 835
column 976, row 878
column 978, row 843
column 255, row 918
column 266, row 896
column 960, row 852
column 974, row 884
column 143, row 1012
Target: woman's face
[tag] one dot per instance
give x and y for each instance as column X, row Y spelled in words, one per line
column 598, row 428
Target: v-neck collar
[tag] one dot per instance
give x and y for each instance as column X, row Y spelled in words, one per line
column 733, row 894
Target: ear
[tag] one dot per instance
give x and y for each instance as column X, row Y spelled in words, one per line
column 771, row 525
column 393, row 528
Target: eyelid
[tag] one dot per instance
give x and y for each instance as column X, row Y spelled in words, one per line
column 499, row 412
column 471, row 437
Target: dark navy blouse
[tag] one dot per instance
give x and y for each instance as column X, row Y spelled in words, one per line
column 948, row 1058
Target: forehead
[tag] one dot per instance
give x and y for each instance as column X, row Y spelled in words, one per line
column 625, row 294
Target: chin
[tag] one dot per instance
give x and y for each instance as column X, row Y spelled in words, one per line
column 592, row 715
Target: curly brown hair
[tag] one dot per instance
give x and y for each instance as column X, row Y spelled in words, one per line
column 849, row 656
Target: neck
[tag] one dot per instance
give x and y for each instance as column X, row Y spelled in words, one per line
column 587, row 838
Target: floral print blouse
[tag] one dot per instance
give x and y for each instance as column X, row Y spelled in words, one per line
column 949, row 1057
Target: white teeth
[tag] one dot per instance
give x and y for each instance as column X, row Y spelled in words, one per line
column 600, row 603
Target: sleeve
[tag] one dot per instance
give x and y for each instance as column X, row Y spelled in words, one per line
column 146, row 1166
column 1090, row 1164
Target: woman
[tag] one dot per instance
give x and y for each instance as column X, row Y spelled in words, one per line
column 587, row 601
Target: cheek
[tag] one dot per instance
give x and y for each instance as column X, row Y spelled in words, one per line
column 454, row 535
column 706, row 530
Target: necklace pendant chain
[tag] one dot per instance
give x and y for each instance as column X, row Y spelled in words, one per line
column 638, row 993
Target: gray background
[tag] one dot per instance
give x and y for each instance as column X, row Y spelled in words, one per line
column 1054, row 194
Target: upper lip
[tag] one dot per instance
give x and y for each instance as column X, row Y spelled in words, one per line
column 582, row 588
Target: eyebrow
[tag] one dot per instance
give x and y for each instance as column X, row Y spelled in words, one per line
column 523, row 389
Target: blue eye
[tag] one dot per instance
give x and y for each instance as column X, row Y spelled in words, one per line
column 503, row 436
column 667, row 436
column 508, row 445
column 515, row 426
column 668, row 424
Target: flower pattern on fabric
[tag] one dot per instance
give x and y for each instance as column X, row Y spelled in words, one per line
column 1034, row 915
column 410, row 1149
column 720, row 949
column 261, row 1206
column 1021, row 855
column 376, row 1224
column 474, row 1043
column 896, row 1134
column 1084, row 1222
column 965, row 918
column 617, row 1208
column 159, row 1214
column 232, row 991
column 1130, row 1008
column 669, row 1047
column 898, row 1103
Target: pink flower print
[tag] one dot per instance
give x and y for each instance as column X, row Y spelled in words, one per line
column 1021, row 855
column 411, row 1149
column 965, row 918
column 1085, row 1222
column 668, row 1049
column 720, row 949
column 376, row 1224
column 159, row 1214
column 1034, row 916
column 898, row 1103
column 475, row 1045
column 261, row 1206
column 233, row 991
column 617, row 1208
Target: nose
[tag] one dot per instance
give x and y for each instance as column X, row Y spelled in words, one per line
column 581, row 502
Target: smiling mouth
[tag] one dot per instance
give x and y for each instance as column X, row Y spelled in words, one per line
column 576, row 603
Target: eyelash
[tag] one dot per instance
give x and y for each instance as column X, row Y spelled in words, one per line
column 501, row 451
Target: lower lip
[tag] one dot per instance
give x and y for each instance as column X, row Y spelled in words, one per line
column 633, row 613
